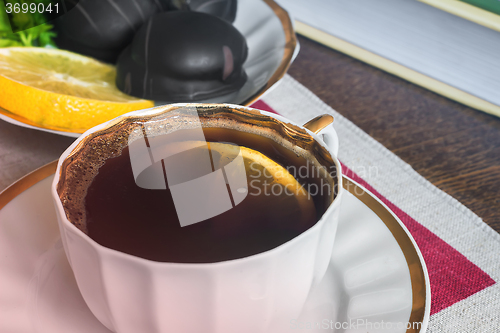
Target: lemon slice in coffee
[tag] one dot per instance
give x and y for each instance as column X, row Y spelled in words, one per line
column 261, row 168
column 61, row 90
column 269, row 183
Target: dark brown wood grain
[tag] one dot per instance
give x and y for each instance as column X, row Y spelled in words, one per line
column 453, row 146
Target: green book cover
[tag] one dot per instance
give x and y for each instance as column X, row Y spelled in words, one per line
column 489, row 5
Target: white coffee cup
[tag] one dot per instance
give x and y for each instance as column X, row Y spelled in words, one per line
column 259, row 293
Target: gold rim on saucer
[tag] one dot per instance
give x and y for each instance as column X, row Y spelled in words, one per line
column 286, row 60
column 417, row 271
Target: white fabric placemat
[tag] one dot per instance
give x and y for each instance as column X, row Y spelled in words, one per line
column 434, row 209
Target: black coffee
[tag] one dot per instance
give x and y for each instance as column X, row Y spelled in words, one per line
column 117, row 213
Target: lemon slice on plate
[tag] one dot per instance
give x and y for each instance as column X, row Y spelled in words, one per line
column 61, row 90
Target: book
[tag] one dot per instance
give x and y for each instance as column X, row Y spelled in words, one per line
column 483, row 12
column 445, row 53
column 489, row 5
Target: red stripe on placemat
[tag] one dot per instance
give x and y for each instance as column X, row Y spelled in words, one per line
column 452, row 276
column 261, row 105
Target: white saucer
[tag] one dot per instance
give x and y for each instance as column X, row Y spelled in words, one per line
column 376, row 272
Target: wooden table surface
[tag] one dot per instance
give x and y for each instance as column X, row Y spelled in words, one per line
column 453, row 146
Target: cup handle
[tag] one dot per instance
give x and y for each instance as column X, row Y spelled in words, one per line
column 322, row 125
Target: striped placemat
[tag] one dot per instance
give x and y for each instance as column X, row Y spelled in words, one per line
column 462, row 253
